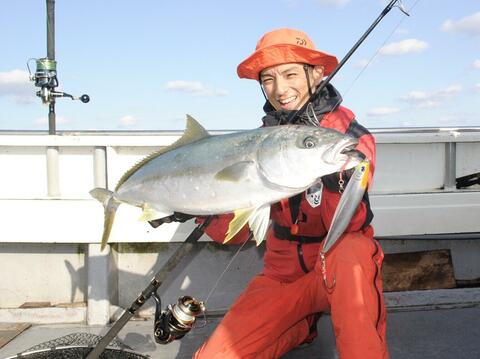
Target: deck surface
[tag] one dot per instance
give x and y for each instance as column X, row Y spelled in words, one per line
column 414, row 334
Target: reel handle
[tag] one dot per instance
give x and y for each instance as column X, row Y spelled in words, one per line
column 84, row 98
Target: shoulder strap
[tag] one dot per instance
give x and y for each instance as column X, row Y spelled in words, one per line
column 294, row 204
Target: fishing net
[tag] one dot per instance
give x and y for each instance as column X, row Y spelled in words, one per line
column 77, row 346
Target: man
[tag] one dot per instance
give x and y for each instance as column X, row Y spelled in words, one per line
column 279, row 308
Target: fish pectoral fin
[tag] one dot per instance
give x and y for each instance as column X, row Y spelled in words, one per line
column 239, row 220
column 150, row 213
column 235, row 172
column 259, row 222
column 257, row 218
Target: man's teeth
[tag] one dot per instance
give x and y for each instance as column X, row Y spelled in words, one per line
column 287, row 100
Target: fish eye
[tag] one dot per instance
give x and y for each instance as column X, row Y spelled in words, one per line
column 309, row 142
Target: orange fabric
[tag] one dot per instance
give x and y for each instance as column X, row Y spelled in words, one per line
column 284, row 46
column 340, row 120
column 271, row 317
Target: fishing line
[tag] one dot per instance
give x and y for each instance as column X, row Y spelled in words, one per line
column 376, row 52
column 226, row 269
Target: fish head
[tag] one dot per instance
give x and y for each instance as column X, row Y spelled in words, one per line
column 296, row 156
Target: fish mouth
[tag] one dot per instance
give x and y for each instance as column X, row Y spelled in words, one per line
column 345, row 150
column 352, row 152
column 348, row 149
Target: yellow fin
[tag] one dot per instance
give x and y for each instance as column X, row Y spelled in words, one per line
column 239, row 220
column 149, row 213
column 110, row 210
column 259, row 222
column 193, row 133
column 110, row 205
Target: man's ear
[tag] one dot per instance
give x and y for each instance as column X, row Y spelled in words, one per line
column 318, row 74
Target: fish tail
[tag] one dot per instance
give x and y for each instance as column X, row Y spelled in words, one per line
column 110, row 205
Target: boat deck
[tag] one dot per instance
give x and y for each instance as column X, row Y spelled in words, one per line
column 416, row 331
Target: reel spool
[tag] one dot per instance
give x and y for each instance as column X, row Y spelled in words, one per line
column 177, row 320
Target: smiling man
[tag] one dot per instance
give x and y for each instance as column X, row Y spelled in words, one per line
column 286, row 87
column 279, row 309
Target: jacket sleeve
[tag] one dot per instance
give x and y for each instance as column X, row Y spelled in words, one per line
column 331, row 194
column 217, row 229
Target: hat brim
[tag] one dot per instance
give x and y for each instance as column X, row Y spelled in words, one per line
column 284, row 54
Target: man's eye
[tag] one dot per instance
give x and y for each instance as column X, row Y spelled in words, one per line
column 266, row 81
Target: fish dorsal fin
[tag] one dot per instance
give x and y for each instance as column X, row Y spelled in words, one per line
column 193, row 133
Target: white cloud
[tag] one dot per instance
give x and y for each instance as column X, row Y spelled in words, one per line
column 382, row 111
column 13, row 78
column 404, row 47
column 128, row 121
column 195, row 88
column 431, row 99
column 477, row 87
column 16, row 86
column 476, row 64
column 469, row 25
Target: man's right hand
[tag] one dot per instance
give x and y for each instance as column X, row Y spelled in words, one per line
column 175, row 217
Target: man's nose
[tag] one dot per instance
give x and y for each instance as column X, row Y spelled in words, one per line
column 280, row 85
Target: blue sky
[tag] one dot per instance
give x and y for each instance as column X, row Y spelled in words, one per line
column 147, row 63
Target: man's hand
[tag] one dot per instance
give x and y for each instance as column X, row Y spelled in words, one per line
column 175, row 217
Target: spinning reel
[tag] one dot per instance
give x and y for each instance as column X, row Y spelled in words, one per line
column 45, row 77
column 177, row 319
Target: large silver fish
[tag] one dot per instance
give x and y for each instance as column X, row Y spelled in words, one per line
column 242, row 172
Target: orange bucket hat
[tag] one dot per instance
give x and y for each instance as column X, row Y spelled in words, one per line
column 284, row 46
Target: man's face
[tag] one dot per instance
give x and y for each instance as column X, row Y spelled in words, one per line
column 286, row 85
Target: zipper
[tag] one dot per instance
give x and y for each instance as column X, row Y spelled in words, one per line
column 301, row 260
column 375, row 277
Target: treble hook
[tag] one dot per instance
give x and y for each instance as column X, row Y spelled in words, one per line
column 324, row 273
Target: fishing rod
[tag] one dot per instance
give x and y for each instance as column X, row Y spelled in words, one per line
column 176, row 320
column 326, row 81
column 45, row 76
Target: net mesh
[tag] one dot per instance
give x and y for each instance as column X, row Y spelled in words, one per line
column 77, row 346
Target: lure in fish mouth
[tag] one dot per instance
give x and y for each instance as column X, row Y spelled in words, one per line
column 242, row 172
column 345, row 151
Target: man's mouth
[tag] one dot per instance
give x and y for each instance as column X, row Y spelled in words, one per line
column 287, row 100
